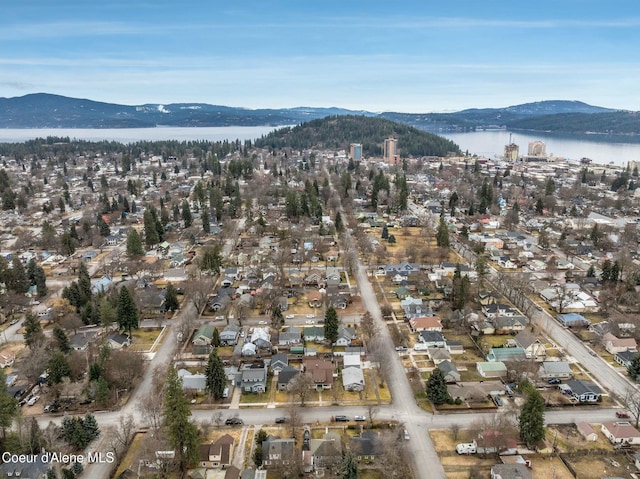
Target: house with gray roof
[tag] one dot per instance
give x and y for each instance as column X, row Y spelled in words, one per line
column 450, row 371
column 353, row 379
column 229, row 335
column 252, row 380
column 277, row 452
column 285, row 375
column 193, row 382
column 533, row 347
column 555, row 369
column 581, row 391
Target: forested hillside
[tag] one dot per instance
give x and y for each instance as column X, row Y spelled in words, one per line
column 614, row 123
column 337, row 132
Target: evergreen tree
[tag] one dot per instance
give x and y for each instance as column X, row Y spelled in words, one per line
column 331, row 324
column 392, row 239
column 8, row 406
column 385, row 232
column 40, row 281
column 186, row 214
column 437, row 391
column 206, row 224
column 183, row 434
column 258, row 454
column 171, row 302
column 532, row 418
column 84, row 284
column 591, row 272
column 212, row 260
column 18, row 278
column 634, row 367
column 338, row 223
column 33, row 335
column 151, row 236
column 58, row 369
column 442, row 235
column 134, row 243
column 216, row 378
column 595, row 235
column 349, row 467
column 126, row 311
column 61, row 339
column 539, row 207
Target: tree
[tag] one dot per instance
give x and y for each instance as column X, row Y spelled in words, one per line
column 532, row 417
column 349, row 467
column 186, row 214
column 633, row 370
column 61, row 339
column 212, row 259
column 134, row 243
column 183, row 434
column 216, row 379
column 331, row 324
column 171, row 302
column 277, row 318
column 591, row 272
column 338, row 223
column 437, row 387
column 33, row 335
column 300, row 386
column 8, row 406
column 151, row 235
column 442, row 235
column 126, row 311
column 58, row 369
column 258, row 455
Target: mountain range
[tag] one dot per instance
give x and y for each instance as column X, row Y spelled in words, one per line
column 43, row 110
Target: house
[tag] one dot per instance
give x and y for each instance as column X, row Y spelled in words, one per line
column 494, row 369
column 555, row 369
column 494, row 310
column 278, row 362
column 261, row 338
column 402, row 292
column 118, row 341
column 365, row 447
column 326, row 452
column 202, row 339
column 175, row 275
column 7, row 359
column 353, row 379
column 511, row 471
column 285, row 375
column 252, row 380
column 314, row 334
column 509, row 324
column 217, row 454
column 506, row 354
column 193, row 382
column 248, row 349
column 321, row 372
column 437, row 355
column 229, row 335
column 101, row 285
column 620, row 432
column 450, row 372
column 581, row 391
column 533, row 347
column 339, row 301
column 615, row 345
column 35, row 469
column 81, row 341
column 454, row 347
column 624, row 358
column 277, row 452
column 571, row 320
column 254, row 474
column 290, row 337
column 426, row 323
column 333, row 276
column 152, row 299
column 485, row 327
column 586, row 431
column 432, row 339
column 413, row 307
column 345, row 335
column 314, row 278
column 315, row 299
column 487, row 297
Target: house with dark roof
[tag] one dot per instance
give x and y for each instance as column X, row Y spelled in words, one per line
column 432, row 339
column 624, row 358
column 277, row 452
column 581, row 391
column 252, row 380
column 511, row 471
column 27, row 470
column 278, row 362
column 450, row 371
column 509, row 324
column 217, row 454
column 285, row 376
column 533, row 347
column 366, row 446
column 326, row 452
column 118, row 341
column 229, row 335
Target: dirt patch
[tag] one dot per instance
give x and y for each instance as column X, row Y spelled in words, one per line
column 595, row 467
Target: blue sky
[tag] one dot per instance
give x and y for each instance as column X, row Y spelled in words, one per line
column 408, row 56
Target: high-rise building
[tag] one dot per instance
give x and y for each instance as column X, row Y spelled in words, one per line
column 537, row 148
column 355, row 151
column 390, row 151
column 511, row 152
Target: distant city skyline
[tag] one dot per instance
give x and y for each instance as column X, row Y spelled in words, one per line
column 407, row 56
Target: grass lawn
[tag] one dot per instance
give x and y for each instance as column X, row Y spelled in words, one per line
column 595, row 467
column 253, row 398
column 143, row 339
column 132, row 452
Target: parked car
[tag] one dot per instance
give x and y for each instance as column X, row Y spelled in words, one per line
column 498, row 402
column 32, row 400
column 281, row 420
column 53, row 406
column 310, row 321
column 359, row 418
column 262, row 322
column 623, row 414
column 289, row 316
column 14, row 321
column 406, row 435
column 232, row 421
column 341, row 418
column 401, row 348
column 554, row 381
column 310, row 316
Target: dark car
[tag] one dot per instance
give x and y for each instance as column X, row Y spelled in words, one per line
column 281, row 420
column 498, row 402
column 341, row 419
column 554, row 381
column 623, row 414
column 53, row 406
column 233, row 421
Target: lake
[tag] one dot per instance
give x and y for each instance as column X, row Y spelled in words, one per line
column 483, row 143
column 601, row 150
column 131, row 135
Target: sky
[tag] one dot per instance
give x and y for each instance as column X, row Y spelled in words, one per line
column 405, row 56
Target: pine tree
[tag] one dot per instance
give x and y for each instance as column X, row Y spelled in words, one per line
column 134, row 243
column 40, row 281
column 216, row 378
column 442, row 235
column 634, row 367
column 126, row 311
column 532, row 418
column 151, row 236
column 437, row 391
column 84, row 284
column 183, row 434
column 186, row 214
column 349, row 467
column 212, row 260
column 8, row 406
column 331, row 324
column 171, row 302
column 33, row 335
column 18, row 278
column 61, row 339
column 58, row 369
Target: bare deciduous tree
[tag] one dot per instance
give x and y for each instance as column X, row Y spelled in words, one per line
column 121, row 434
column 300, row 387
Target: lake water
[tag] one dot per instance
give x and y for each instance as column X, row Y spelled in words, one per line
column 483, row 143
column 601, row 150
column 131, row 135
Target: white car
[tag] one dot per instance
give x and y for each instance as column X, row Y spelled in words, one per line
column 289, row 316
column 359, row 418
column 33, row 400
column 310, row 316
column 310, row 321
column 262, row 322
